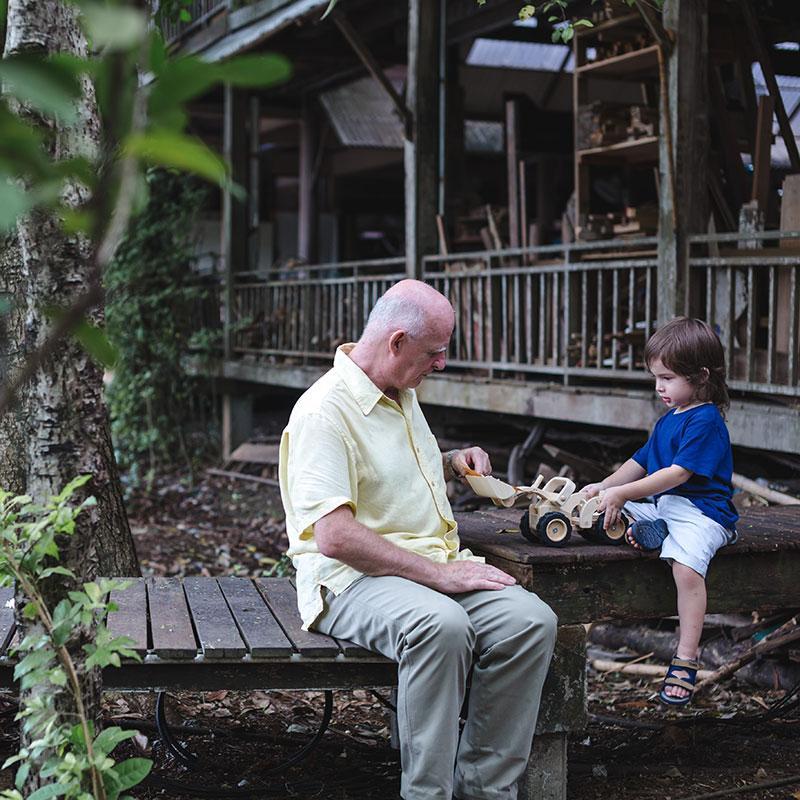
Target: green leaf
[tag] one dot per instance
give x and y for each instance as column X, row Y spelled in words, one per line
column 255, row 70
column 95, row 342
column 113, row 27
column 188, row 154
column 14, row 203
column 49, row 86
column 110, row 738
column 583, row 23
column 526, row 12
column 51, row 790
column 22, row 774
column 132, row 771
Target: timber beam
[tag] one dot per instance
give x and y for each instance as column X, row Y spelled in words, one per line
column 763, row 56
column 370, row 62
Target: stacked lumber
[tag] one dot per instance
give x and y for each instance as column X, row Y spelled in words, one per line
column 601, row 123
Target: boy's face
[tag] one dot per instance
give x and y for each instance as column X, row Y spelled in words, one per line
column 673, row 389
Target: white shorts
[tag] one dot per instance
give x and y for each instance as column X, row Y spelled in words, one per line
column 693, row 537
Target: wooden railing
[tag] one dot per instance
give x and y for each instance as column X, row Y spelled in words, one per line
column 565, row 312
column 200, row 12
column 750, row 285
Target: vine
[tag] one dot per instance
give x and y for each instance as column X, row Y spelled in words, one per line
column 151, row 298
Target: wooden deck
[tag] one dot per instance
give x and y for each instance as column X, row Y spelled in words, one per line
column 585, row 582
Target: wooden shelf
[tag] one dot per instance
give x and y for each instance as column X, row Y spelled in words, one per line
column 628, row 65
column 634, row 151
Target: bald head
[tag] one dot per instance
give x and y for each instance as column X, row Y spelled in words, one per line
column 410, row 306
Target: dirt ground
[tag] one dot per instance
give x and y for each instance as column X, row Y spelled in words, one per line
column 631, row 748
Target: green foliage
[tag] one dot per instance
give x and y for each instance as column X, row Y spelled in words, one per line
column 149, row 305
column 75, row 762
column 143, row 122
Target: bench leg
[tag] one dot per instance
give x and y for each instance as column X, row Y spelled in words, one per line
column 545, row 777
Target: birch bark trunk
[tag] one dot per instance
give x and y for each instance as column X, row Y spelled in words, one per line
column 60, row 428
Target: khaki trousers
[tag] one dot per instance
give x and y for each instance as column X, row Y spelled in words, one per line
column 505, row 637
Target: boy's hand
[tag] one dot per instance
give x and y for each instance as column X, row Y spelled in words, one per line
column 592, row 490
column 611, row 503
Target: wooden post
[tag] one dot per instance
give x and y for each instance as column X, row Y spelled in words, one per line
column 422, row 133
column 512, row 169
column 233, row 236
column 237, row 421
column 307, row 212
column 761, row 163
column 683, row 152
column 254, row 193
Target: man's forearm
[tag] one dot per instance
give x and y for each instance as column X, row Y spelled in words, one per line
column 368, row 552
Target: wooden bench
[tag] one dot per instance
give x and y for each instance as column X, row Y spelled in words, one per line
column 202, row 633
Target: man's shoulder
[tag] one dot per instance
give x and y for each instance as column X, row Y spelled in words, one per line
column 326, row 397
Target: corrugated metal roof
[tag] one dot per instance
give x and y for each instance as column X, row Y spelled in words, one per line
column 519, row 55
column 363, row 116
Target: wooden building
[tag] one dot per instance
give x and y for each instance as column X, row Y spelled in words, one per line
column 565, row 198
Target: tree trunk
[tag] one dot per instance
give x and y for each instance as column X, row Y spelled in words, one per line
column 13, row 460
column 60, row 418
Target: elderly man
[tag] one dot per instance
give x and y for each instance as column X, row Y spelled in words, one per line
column 378, row 561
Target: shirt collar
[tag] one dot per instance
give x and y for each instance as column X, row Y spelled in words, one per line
column 365, row 392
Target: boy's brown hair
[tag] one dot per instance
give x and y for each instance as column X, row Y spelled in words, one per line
column 691, row 349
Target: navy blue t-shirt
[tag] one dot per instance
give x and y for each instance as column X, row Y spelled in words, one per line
column 696, row 440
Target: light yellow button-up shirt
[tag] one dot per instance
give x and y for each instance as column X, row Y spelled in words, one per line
column 348, row 444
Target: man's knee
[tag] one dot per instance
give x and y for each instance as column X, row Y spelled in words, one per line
column 447, row 625
column 539, row 620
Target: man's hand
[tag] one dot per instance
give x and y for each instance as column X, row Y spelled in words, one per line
column 471, row 458
column 592, row 490
column 611, row 502
column 457, row 577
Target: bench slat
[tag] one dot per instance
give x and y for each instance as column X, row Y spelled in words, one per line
column 350, row 649
column 261, row 632
column 213, row 622
column 282, row 599
column 7, row 622
column 170, row 624
column 130, row 618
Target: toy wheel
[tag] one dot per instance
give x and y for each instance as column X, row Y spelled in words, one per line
column 554, row 529
column 589, row 535
column 615, row 533
column 525, row 528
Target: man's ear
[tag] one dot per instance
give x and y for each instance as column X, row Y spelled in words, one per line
column 396, row 341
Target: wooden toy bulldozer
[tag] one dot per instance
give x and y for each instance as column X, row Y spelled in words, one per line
column 554, row 510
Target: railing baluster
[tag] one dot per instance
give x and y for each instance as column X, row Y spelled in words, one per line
column 542, row 349
column 731, row 322
column 584, row 318
column 470, row 320
column 752, row 320
column 631, row 315
column 528, row 320
column 771, row 318
column 517, row 346
column 599, row 319
column 555, row 318
column 648, row 303
column 793, row 326
column 505, row 320
column 614, row 319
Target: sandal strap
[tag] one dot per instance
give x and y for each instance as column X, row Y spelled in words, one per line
column 670, row 680
column 683, row 663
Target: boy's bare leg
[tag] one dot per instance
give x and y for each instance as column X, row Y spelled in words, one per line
column 691, row 612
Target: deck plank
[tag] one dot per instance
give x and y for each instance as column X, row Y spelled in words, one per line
column 130, row 618
column 7, row 622
column 216, row 628
column 170, row 624
column 282, row 599
column 259, row 628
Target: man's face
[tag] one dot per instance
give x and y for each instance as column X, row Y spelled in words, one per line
column 416, row 357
